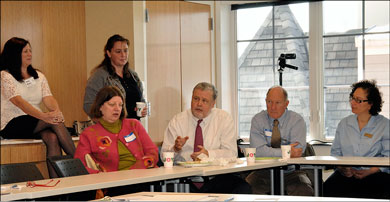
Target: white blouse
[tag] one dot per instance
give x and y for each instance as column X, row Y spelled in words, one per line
column 32, row 90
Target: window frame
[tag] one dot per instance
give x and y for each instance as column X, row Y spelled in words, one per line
column 316, row 68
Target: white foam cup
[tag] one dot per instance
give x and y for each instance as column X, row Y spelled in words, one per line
column 140, row 107
column 250, row 154
column 168, row 159
column 286, row 151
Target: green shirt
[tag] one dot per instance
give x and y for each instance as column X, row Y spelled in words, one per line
column 126, row 158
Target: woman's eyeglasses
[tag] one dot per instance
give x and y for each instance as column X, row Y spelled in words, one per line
column 357, row 100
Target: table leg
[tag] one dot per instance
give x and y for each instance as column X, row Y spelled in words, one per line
column 281, row 181
column 181, row 187
column 175, row 189
column 272, row 181
column 187, row 188
column 275, row 181
column 151, row 188
column 318, row 181
column 164, row 186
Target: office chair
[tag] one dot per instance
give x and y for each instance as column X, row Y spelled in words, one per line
column 66, row 166
column 309, row 151
column 19, row 172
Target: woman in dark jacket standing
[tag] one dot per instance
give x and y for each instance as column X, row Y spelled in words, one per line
column 114, row 71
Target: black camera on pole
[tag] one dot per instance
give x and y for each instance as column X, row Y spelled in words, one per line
column 282, row 64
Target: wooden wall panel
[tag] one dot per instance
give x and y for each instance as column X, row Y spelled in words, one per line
column 28, row 153
column 23, row 19
column 5, row 154
column 104, row 19
column 195, row 48
column 163, row 65
column 65, row 55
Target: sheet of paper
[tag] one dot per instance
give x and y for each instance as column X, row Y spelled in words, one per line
column 168, row 197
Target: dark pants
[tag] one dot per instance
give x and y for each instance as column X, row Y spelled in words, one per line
column 224, row 184
column 297, row 183
column 372, row 186
column 127, row 189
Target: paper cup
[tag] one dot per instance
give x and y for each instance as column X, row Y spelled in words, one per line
column 250, row 154
column 168, row 159
column 286, row 151
column 140, row 107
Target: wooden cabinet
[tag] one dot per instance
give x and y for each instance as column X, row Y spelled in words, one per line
column 178, row 39
column 28, row 150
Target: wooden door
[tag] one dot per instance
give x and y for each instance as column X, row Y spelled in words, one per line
column 163, row 65
column 195, row 48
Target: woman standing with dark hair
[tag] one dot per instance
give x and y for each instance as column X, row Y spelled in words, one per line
column 114, row 70
column 365, row 133
column 23, row 89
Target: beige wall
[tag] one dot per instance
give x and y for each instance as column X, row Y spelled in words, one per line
column 104, row 19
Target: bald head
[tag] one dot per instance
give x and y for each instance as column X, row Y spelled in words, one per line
column 277, row 101
column 280, row 89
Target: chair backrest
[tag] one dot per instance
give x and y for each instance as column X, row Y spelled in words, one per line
column 19, row 172
column 309, row 151
column 69, row 167
column 51, row 159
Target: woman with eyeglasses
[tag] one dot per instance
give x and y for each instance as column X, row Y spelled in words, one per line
column 364, row 133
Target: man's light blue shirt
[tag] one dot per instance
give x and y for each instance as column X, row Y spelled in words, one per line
column 372, row 141
column 292, row 129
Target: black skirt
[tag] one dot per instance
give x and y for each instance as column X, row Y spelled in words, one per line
column 21, row 127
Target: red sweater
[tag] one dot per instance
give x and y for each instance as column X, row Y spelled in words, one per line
column 102, row 145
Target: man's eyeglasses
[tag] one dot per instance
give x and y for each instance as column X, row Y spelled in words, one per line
column 357, row 100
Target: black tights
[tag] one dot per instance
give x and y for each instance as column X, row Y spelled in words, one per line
column 55, row 137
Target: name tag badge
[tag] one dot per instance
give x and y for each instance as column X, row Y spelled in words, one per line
column 130, row 137
column 368, row 135
column 268, row 132
column 29, row 82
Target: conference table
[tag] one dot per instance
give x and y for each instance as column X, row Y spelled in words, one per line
column 158, row 196
column 112, row 179
column 274, row 165
column 318, row 163
column 120, row 178
column 98, row 181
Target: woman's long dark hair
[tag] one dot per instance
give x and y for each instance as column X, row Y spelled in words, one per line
column 11, row 58
column 107, row 61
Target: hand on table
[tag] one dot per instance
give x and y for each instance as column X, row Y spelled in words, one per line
column 179, row 143
column 295, row 152
column 195, row 155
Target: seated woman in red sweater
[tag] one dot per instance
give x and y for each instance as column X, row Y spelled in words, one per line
column 114, row 142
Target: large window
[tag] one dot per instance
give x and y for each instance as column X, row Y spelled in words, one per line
column 356, row 47
column 263, row 34
column 355, row 40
